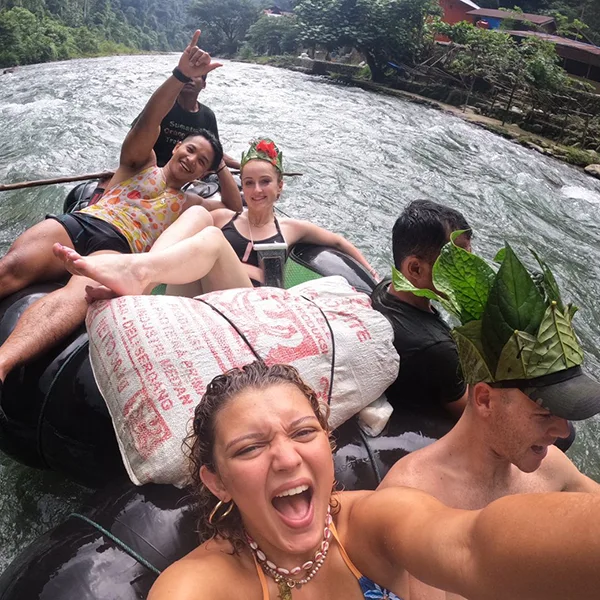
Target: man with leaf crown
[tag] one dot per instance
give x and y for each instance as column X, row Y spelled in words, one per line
column 522, row 360
column 421, row 337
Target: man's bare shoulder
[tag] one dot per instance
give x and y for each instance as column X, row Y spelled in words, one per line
column 418, row 469
column 208, row 572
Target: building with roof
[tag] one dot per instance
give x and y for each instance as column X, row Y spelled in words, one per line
column 579, row 58
column 456, row 11
column 492, row 18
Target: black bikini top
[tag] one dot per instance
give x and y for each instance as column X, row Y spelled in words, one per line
column 243, row 246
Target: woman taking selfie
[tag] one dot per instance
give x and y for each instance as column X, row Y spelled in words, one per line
column 263, row 475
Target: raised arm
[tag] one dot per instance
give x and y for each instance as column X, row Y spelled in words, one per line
column 305, row 231
column 136, row 151
column 535, row 547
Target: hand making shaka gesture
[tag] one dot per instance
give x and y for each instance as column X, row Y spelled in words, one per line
column 195, row 62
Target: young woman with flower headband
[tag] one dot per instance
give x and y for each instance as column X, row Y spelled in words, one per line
column 263, row 476
column 218, row 257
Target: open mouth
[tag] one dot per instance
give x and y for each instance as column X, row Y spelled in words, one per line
column 185, row 167
column 294, row 505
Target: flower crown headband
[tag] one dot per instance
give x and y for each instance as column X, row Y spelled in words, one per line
column 264, row 149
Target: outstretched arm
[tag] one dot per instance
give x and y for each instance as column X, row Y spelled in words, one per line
column 136, row 151
column 304, row 231
column 535, row 546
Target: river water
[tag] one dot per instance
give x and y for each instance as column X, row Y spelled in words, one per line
column 364, row 157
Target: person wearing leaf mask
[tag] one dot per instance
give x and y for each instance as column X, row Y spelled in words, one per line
column 421, row 336
column 522, row 361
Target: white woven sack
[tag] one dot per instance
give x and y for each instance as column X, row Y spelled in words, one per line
column 153, row 356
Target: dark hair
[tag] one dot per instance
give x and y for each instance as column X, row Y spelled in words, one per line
column 423, row 228
column 200, row 442
column 214, row 143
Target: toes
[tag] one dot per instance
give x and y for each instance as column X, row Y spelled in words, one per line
column 65, row 253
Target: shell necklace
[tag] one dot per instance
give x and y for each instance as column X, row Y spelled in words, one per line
column 285, row 583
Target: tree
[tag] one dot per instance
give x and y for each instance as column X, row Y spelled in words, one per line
column 273, row 35
column 529, row 69
column 382, row 30
column 226, row 22
column 483, row 54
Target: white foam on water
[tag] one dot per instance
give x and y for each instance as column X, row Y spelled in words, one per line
column 575, row 192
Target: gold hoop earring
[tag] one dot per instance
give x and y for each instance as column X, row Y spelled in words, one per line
column 215, row 510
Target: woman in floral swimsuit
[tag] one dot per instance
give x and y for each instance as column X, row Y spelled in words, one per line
column 272, row 528
column 142, row 200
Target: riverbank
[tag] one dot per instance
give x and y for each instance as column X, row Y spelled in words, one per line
column 568, row 154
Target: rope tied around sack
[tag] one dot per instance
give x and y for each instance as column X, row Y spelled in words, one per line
column 257, row 355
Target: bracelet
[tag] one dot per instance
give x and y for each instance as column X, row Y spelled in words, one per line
column 220, row 169
column 177, row 73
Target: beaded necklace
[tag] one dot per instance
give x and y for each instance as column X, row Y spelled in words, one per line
column 284, row 577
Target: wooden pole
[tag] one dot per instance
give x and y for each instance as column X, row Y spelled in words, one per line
column 28, row 184
column 237, row 172
column 103, row 175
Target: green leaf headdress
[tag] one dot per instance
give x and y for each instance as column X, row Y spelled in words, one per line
column 264, row 149
column 515, row 329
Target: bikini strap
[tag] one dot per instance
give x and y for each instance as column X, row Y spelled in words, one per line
column 344, row 554
column 277, row 226
column 262, row 578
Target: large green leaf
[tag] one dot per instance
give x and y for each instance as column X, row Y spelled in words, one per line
column 464, row 278
column 514, row 303
column 548, row 282
column 471, row 353
column 556, row 347
column 401, row 284
column 515, row 356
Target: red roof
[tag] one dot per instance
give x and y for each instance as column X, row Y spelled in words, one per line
column 515, row 16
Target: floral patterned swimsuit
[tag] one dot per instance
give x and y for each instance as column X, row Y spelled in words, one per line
column 370, row 590
column 140, row 207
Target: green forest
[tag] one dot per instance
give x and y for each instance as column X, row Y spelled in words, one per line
column 33, row 31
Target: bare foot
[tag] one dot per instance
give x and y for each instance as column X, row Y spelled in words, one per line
column 120, row 273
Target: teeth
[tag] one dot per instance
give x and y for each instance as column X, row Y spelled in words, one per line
column 293, row 491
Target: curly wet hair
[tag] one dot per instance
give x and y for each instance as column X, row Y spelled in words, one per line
column 200, row 442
